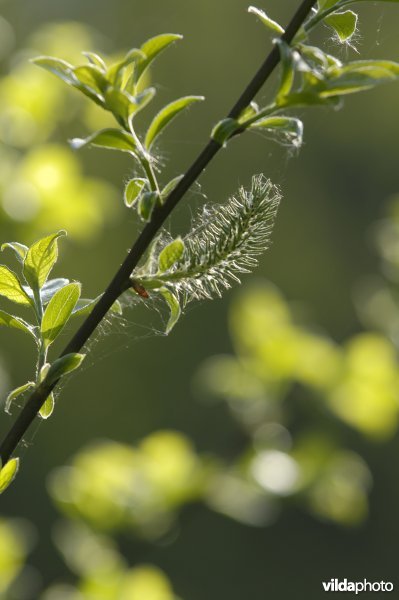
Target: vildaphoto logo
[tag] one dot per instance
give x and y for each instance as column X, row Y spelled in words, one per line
column 335, row 585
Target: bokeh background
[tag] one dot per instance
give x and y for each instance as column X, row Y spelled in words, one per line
column 253, row 452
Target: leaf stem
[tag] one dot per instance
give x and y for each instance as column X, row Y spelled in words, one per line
column 121, row 281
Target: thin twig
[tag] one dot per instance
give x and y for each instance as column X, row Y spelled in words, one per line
column 121, row 282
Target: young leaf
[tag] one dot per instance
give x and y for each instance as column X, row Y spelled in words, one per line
column 8, row 473
column 113, row 139
column 58, row 311
column 287, row 69
column 51, row 287
column 40, row 259
column 139, row 101
column 115, row 71
column 357, row 76
column 170, row 255
column 47, row 407
column 262, row 16
column 58, row 67
column 166, row 115
column 174, row 306
column 96, row 60
column 343, row 23
column 224, row 130
column 84, row 306
column 15, row 322
column 288, row 129
column 92, row 78
column 64, row 365
column 11, row 288
column 169, row 187
column 19, row 250
column 133, row 189
column 146, row 204
column 17, row 392
column 151, row 48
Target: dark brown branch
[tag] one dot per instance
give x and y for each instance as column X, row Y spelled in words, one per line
column 120, row 282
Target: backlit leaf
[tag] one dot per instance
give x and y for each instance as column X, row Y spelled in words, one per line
column 166, row 115
column 133, row 189
column 19, row 250
column 64, row 365
column 58, row 311
column 40, row 259
column 47, row 407
column 151, row 48
column 8, row 473
column 262, row 16
column 174, row 306
column 11, row 288
column 17, row 392
column 170, row 255
column 8, row 320
column 344, row 24
column 113, row 139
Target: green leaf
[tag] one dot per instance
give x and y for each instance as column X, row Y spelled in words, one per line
column 133, row 189
column 224, row 130
column 40, row 259
column 17, row 392
column 115, row 71
column 11, row 288
column 16, row 323
column 51, row 287
column 19, row 250
column 166, row 115
column 169, row 187
column 84, row 306
column 119, row 103
column 325, row 4
column 174, row 306
column 96, row 60
column 91, row 78
column 249, row 112
column 287, row 69
column 262, row 16
column 113, row 139
column 151, row 48
column 343, row 23
column 47, row 407
column 139, row 101
column 170, row 255
column 288, row 128
column 58, row 311
column 146, row 205
column 58, row 67
column 64, row 365
column 8, row 473
column 357, row 76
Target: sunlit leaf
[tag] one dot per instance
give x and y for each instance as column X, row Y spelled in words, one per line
column 224, row 130
column 133, row 189
column 113, row 139
column 47, row 407
column 287, row 68
column 8, row 473
column 11, row 288
column 262, row 16
column 288, row 129
column 58, row 67
column 249, row 112
column 166, row 115
column 357, row 76
column 58, row 311
column 8, row 320
column 169, row 187
column 96, row 60
column 17, row 392
column 170, row 255
column 40, row 259
column 19, row 250
column 151, row 48
column 146, row 204
column 92, row 78
column 344, row 24
column 139, row 101
column 64, row 365
column 51, row 287
column 174, row 306
column 114, row 72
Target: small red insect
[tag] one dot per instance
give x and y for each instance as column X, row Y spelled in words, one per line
column 140, row 289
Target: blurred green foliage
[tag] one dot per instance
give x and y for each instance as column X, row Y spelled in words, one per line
column 306, row 406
